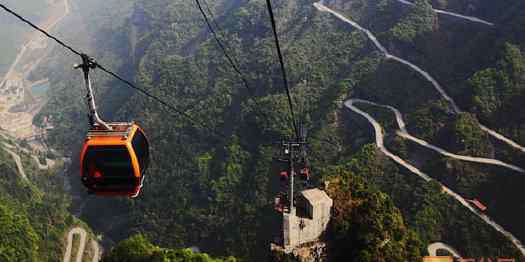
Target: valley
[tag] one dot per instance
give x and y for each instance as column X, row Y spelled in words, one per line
column 410, row 111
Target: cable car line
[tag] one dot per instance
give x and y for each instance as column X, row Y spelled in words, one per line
column 236, row 67
column 223, row 48
column 39, row 29
column 116, row 76
column 162, row 102
column 232, row 61
column 294, row 151
column 124, row 144
column 219, row 31
column 283, row 70
column 128, row 83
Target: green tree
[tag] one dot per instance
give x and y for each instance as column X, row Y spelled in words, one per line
column 366, row 225
column 419, row 20
column 468, row 138
column 489, row 87
column 18, row 239
column 138, row 249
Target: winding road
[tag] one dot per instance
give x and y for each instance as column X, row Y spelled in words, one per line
column 443, row 12
column 18, row 162
column 417, row 69
column 14, row 85
column 82, row 245
column 96, row 250
column 403, row 132
column 49, row 163
column 379, row 136
column 434, row 247
column 80, row 252
column 35, row 37
column 380, row 144
column 36, row 41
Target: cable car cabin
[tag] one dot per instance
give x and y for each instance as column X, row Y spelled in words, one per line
column 113, row 163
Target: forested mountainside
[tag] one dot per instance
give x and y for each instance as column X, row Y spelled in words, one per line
column 216, row 192
column 33, row 207
column 137, row 248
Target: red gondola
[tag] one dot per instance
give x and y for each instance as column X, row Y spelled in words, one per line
column 283, row 175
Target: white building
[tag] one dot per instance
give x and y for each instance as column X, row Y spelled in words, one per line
column 307, row 222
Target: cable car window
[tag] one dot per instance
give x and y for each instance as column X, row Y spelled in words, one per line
column 140, row 145
column 110, row 167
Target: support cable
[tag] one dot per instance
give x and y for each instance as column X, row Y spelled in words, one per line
column 39, row 29
column 223, row 48
column 283, row 70
column 232, row 61
column 101, row 67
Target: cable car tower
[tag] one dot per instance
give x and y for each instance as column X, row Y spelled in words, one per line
column 293, row 153
column 115, row 155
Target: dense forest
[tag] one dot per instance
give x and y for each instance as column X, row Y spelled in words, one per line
column 212, row 181
column 138, row 249
column 33, row 208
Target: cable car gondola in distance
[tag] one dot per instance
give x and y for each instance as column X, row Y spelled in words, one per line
column 115, row 156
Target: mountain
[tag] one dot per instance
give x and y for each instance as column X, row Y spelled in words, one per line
column 451, row 70
column 33, row 206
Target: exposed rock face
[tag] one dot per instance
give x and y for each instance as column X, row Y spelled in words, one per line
column 313, row 252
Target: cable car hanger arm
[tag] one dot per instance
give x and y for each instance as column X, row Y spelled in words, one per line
column 94, row 119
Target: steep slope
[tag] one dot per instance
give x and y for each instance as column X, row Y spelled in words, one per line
column 215, row 191
column 366, row 225
column 33, row 206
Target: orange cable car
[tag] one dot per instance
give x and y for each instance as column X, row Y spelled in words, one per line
column 115, row 156
column 113, row 162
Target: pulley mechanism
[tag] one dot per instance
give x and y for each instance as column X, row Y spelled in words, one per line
column 94, row 120
column 293, row 154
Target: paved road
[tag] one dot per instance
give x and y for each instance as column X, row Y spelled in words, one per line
column 403, row 132
column 380, row 141
column 380, row 136
column 82, row 245
column 416, row 68
column 18, row 162
column 380, row 144
column 13, row 65
column 96, row 250
column 469, row 18
column 80, row 252
column 36, row 37
column 442, row 151
column 434, row 247
column 49, row 163
column 16, row 77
